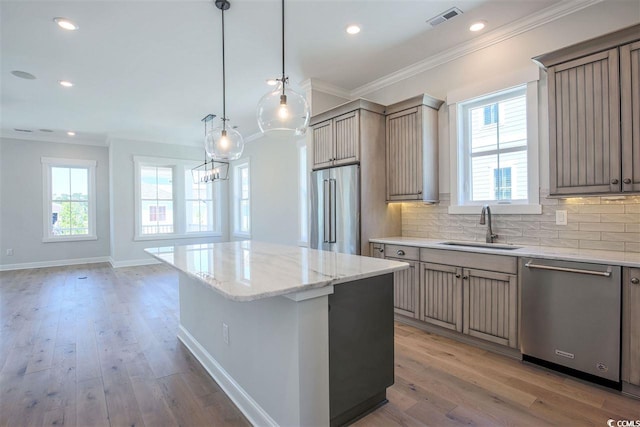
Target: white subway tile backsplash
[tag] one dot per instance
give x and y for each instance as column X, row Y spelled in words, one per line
column 593, row 223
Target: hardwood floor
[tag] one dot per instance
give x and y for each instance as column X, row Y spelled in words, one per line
column 92, row 346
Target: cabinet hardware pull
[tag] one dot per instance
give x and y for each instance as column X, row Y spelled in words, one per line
column 465, row 277
column 627, row 180
column 635, row 280
column 570, row 270
column 457, row 275
column 614, row 181
column 380, row 249
column 400, row 252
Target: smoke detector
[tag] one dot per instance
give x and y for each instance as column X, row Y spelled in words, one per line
column 444, row 16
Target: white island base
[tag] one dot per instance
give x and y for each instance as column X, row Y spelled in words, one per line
column 276, row 364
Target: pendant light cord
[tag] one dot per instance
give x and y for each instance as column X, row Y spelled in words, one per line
column 224, row 83
column 283, row 75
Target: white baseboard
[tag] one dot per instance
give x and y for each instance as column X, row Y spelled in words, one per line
column 133, row 262
column 249, row 407
column 57, row 263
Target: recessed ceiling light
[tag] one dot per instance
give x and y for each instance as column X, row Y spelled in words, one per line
column 71, row 133
column 65, row 23
column 65, row 83
column 353, row 29
column 272, row 82
column 477, row 26
column 23, row 75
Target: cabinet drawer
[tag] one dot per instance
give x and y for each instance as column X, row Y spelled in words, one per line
column 500, row 263
column 402, row 252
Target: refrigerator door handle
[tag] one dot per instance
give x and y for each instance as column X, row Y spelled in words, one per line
column 326, row 210
column 333, row 211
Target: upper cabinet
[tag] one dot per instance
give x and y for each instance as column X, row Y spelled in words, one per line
column 412, row 150
column 337, row 133
column 594, row 114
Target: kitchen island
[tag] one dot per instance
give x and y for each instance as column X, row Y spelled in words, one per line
column 294, row 336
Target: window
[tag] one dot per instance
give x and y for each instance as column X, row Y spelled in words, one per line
column 202, row 204
column 69, row 199
column 303, row 215
column 170, row 205
column 495, row 152
column 241, row 199
column 156, row 190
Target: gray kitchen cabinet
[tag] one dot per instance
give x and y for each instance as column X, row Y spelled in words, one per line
column 631, row 330
column 343, row 134
column 412, row 150
column 594, row 139
column 441, row 295
column 337, row 141
column 490, row 306
column 405, row 282
column 630, row 120
column 477, row 295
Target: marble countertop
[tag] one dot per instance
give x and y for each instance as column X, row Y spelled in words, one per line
column 627, row 259
column 251, row 270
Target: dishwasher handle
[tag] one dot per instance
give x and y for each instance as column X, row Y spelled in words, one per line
column 570, row 270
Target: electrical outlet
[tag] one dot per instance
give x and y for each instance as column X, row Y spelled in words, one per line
column 561, row 217
column 225, row 333
column 9, row 252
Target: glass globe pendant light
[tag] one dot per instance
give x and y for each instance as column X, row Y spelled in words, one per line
column 282, row 108
column 223, row 143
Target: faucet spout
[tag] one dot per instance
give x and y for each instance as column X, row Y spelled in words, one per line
column 486, row 210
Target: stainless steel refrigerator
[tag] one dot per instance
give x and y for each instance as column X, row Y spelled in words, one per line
column 335, row 209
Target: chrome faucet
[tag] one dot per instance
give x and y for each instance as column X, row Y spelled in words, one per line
column 490, row 235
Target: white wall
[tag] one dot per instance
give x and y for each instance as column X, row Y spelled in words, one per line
column 503, row 59
column 21, row 203
column 124, row 249
column 274, row 188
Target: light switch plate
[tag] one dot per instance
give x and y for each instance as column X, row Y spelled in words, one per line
column 561, row 217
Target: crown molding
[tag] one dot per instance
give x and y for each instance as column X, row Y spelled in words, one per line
column 324, row 87
column 48, row 137
column 503, row 33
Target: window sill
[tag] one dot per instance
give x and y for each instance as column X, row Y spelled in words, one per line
column 242, row 235
column 497, row 209
column 68, row 239
column 174, row 236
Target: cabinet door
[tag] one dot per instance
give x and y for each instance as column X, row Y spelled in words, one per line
column 346, row 130
column 405, row 289
column 323, row 144
column 630, row 103
column 584, row 131
column 631, row 326
column 490, row 306
column 441, row 295
column 404, row 155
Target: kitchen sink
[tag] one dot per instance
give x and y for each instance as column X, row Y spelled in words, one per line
column 482, row 245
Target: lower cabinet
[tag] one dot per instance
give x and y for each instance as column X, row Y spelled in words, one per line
column 441, row 295
column 405, row 289
column 490, row 306
column 631, row 329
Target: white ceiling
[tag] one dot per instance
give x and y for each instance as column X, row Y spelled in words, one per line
column 151, row 70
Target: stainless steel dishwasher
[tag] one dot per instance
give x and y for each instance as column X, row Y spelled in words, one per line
column 571, row 317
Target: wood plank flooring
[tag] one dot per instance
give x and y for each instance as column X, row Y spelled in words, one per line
column 93, row 346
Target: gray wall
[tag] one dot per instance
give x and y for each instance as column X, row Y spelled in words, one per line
column 21, row 195
column 274, row 188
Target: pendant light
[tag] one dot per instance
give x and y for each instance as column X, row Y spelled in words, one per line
column 223, row 142
column 283, row 108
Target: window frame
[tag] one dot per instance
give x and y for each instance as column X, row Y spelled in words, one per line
column 47, row 164
column 458, row 158
column 216, row 199
column 236, row 167
column 179, row 167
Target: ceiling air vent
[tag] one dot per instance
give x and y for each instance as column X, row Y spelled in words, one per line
column 444, row 16
column 22, row 130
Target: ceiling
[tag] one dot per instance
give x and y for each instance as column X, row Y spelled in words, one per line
column 150, row 70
